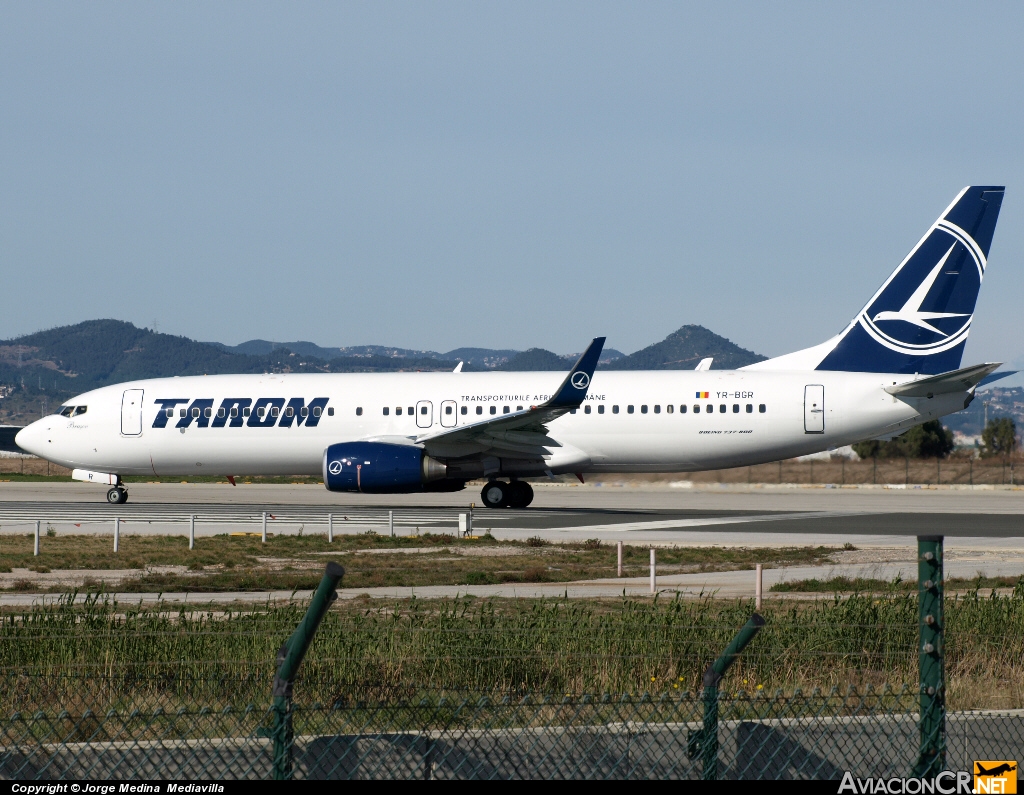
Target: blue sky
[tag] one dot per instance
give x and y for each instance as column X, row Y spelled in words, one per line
column 433, row 175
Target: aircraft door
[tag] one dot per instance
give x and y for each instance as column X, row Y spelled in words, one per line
column 424, row 414
column 449, row 414
column 131, row 412
column 814, row 408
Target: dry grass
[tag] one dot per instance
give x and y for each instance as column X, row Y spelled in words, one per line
column 869, row 585
column 224, row 562
column 399, row 649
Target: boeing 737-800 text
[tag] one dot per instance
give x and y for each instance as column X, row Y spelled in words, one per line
column 895, row 365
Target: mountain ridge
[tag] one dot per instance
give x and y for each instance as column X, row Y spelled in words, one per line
column 40, row 370
column 486, row 358
column 684, row 348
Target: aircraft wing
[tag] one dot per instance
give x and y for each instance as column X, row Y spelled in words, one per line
column 523, row 432
column 963, row 380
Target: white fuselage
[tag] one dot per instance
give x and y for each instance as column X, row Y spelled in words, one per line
column 650, row 438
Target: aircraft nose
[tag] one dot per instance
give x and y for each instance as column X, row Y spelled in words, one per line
column 30, row 438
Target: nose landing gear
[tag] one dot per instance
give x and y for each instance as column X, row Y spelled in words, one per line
column 117, row 496
column 498, row 494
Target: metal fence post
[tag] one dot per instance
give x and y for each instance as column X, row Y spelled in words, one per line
column 289, row 658
column 931, row 658
column 117, row 533
column 619, row 570
column 264, row 527
column 330, row 528
column 758, row 570
column 391, row 523
column 704, row 743
column 654, row 576
column 35, row 544
column 192, row 532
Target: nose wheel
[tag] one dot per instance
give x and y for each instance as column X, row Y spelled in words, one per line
column 498, row 494
column 117, row 496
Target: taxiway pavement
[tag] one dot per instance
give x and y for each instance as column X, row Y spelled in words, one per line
column 766, row 516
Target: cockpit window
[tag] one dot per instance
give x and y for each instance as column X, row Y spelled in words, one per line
column 66, row 411
column 80, row 410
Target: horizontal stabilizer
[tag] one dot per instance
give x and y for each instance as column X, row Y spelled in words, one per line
column 963, row 380
column 988, row 379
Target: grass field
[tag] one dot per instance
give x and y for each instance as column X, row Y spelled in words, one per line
column 868, row 585
column 103, row 655
column 225, row 562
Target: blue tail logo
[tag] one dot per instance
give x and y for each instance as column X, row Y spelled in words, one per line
column 918, row 321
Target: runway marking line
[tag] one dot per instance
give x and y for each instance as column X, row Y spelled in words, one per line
column 668, row 524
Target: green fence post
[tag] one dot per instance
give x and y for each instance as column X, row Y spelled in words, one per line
column 705, row 742
column 931, row 658
column 289, row 658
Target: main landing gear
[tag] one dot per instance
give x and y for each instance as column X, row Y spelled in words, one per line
column 117, row 496
column 498, row 494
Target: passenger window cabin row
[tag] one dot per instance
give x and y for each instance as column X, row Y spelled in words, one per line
column 709, row 408
column 447, row 410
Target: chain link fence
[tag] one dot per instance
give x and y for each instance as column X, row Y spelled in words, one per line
column 463, row 736
column 547, row 689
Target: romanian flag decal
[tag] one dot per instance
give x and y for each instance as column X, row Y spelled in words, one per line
column 702, row 394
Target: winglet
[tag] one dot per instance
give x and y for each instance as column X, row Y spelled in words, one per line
column 573, row 390
column 963, row 380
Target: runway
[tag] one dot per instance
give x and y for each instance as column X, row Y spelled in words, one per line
column 655, row 516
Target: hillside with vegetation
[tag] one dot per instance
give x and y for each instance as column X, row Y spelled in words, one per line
column 537, row 359
column 683, row 350
column 39, row 371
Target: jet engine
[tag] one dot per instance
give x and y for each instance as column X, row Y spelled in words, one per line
column 379, row 468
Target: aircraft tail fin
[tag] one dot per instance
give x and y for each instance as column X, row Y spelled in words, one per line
column 919, row 319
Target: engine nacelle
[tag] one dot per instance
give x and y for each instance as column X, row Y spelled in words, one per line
column 378, row 468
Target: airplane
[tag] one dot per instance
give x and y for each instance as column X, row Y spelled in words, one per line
column 1005, row 767
column 896, row 364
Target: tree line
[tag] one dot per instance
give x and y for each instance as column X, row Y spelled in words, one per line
column 933, row 440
